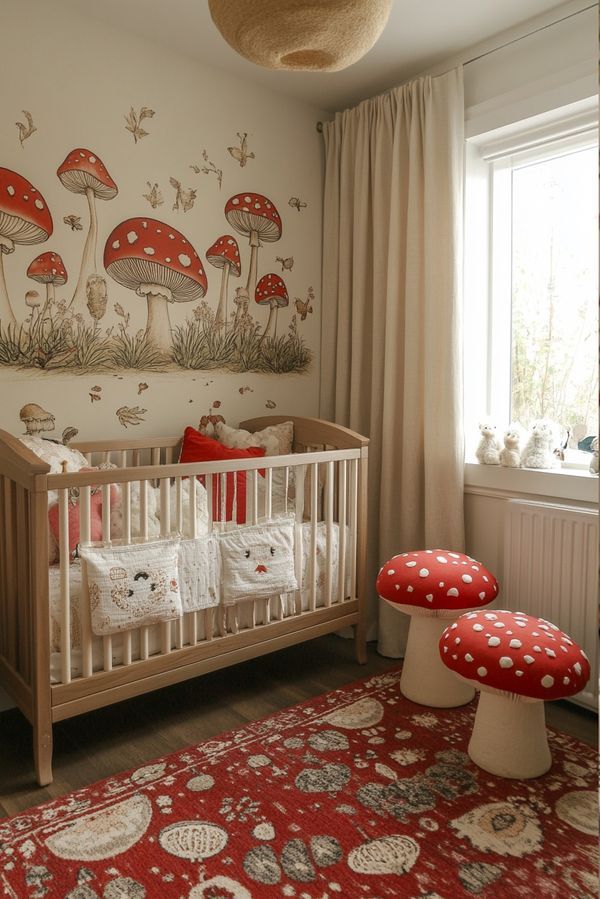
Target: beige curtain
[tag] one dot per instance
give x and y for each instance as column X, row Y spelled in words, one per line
column 391, row 352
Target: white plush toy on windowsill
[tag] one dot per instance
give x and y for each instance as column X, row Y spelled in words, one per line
column 510, row 454
column 488, row 450
column 538, row 451
column 594, row 463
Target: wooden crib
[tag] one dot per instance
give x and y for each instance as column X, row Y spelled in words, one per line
column 328, row 469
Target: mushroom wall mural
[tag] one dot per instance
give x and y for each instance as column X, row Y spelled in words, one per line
column 24, row 219
column 96, row 333
column 158, row 263
column 82, row 172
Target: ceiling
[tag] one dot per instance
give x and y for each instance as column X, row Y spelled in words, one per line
column 418, row 35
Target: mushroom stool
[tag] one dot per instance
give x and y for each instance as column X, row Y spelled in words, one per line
column 516, row 661
column 433, row 586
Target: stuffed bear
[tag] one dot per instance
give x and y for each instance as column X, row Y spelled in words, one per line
column 538, row 451
column 510, row 454
column 594, row 466
column 488, row 450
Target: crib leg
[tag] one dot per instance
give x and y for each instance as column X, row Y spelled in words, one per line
column 42, row 752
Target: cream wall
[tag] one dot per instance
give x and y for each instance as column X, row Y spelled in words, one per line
column 78, row 79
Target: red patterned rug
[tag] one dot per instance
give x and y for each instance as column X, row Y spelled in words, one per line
column 358, row 793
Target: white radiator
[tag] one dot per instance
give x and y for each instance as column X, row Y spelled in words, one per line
column 551, row 571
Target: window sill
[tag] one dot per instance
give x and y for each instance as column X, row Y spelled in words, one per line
column 572, row 484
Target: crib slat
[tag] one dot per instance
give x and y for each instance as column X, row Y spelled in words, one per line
column 65, row 596
column 106, row 513
column 223, row 498
column 329, row 532
column 165, row 529
column 254, row 481
column 342, row 511
column 84, row 610
column 126, row 510
column 107, row 653
column 269, row 493
column 144, row 510
column 209, row 501
column 353, row 524
column 179, row 505
column 192, row 618
column 314, row 479
column 299, row 476
column 209, row 627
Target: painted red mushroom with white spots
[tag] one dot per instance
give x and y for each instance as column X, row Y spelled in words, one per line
column 224, row 253
column 83, row 172
column 432, row 586
column 49, row 269
column 254, row 215
column 158, row 263
column 24, row 219
column 516, row 661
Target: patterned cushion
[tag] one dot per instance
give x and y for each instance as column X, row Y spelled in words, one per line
column 276, row 440
column 134, row 585
column 54, row 454
column 258, row 561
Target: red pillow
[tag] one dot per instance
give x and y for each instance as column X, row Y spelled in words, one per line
column 198, row 448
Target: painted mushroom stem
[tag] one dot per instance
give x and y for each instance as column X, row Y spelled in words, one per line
column 158, row 325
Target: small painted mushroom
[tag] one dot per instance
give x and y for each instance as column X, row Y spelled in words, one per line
column 271, row 291
column 256, row 216
column 160, row 264
column 83, row 172
column 516, row 661
column 24, row 219
column 36, row 419
column 48, row 268
column 224, row 254
column 433, row 586
column 32, row 300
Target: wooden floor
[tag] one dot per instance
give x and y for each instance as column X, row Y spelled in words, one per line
column 104, row 742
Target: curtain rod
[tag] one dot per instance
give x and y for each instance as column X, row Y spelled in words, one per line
column 509, row 43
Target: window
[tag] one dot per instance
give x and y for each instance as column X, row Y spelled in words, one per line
column 531, row 282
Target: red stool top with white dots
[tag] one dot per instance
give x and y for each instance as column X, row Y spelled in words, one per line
column 515, row 653
column 436, row 580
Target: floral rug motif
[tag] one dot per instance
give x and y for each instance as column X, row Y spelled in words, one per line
column 358, row 793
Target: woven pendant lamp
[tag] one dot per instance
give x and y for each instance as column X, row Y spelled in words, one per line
column 303, row 35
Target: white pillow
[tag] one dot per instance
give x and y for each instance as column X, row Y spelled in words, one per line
column 133, row 585
column 276, row 440
column 257, row 561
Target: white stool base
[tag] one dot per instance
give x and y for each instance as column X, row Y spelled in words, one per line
column 425, row 679
column 509, row 736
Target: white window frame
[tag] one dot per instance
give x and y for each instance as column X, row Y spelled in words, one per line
column 489, row 161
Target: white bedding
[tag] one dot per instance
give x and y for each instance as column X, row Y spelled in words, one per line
column 243, row 611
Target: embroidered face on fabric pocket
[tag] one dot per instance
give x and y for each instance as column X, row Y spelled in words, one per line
column 258, row 562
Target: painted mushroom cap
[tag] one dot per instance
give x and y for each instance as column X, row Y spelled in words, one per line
column 271, row 287
column 48, row 268
column 225, row 251
column 249, row 212
column 515, row 653
column 31, row 412
column 144, row 251
column 24, row 215
column 82, row 169
column 436, row 581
